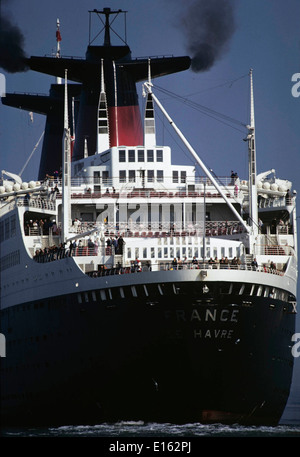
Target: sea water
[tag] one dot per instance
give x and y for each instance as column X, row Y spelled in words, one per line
column 140, row 429
column 289, row 427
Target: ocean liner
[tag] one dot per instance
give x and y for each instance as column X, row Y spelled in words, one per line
column 132, row 288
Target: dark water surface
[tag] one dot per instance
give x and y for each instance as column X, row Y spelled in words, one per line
column 148, row 430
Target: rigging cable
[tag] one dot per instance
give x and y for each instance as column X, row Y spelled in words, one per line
column 26, row 163
column 224, row 119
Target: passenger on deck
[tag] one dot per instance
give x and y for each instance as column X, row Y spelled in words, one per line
column 174, row 263
column 254, row 264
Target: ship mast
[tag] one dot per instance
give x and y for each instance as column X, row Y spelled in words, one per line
column 253, row 212
column 58, row 40
column 66, row 170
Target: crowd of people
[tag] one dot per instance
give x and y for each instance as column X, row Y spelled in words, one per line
column 51, row 253
column 224, row 262
column 40, row 227
column 115, row 244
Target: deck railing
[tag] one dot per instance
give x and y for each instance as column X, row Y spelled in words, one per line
column 199, row 265
column 274, row 250
column 139, row 229
column 161, row 229
column 57, row 253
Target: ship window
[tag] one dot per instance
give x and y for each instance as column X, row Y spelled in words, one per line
column 159, row 253
column 96, row 177
column 152, row 253
column 86, row 297
column 131, row 155
column 94, row 296
column 175, row 176
column 122, row 157
column 160, row 289
column 102, row 294
column 175, row 289
column 134, row 292
column 165, row 253
column 183, row 176
column 122, row 295
column 137, row 253
column 131, row 175
column 159, row 155
column 150, row 175
column 141, row 155
column 146, row 291
column 160, row 175
column 109, row 294
column 285, row 296
column 241, row 291
column 253, row 289
column 259, row 291
column 150, row 155
column 122, row 176
column 171, row 252
column 105, row 177
column 144, row 253
column 266, row 292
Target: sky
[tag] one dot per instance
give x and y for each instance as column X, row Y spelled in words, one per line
column 262, row 35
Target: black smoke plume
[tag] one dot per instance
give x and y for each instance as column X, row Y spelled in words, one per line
column 208, row 27
column 12, row 55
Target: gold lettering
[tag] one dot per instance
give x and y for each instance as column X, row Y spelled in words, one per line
column 209, row 314
column 224, row 319
column 234, row 315
column 195, row 315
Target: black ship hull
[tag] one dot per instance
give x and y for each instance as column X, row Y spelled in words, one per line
column 171, row 353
